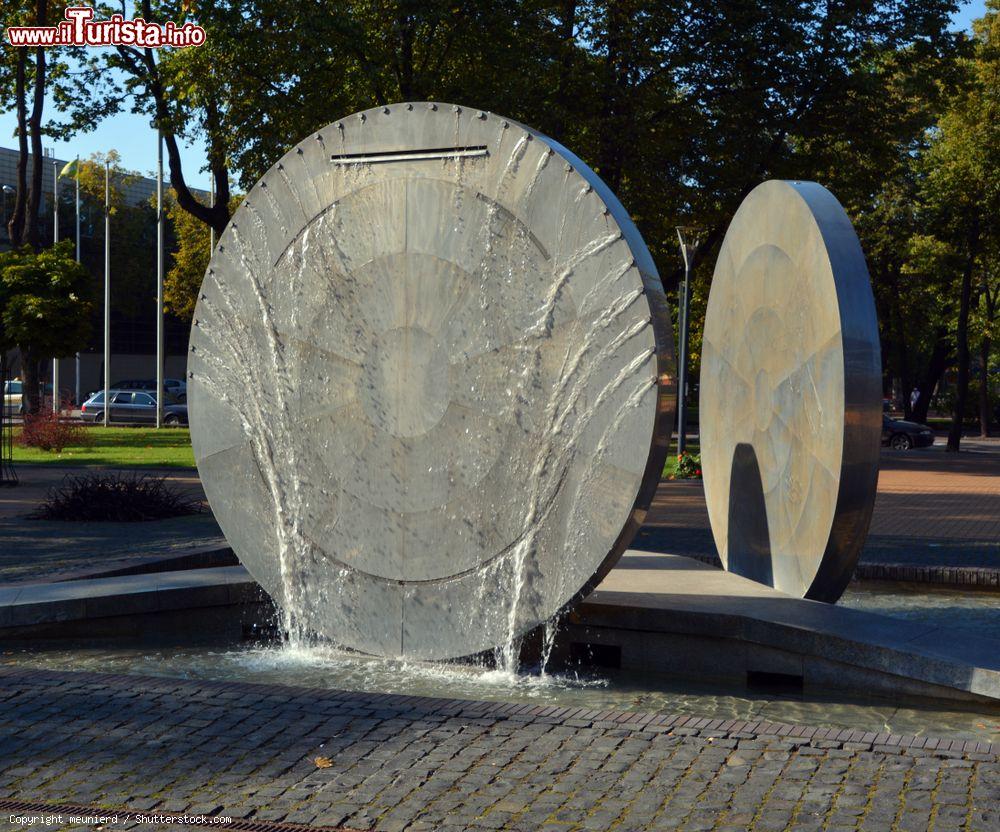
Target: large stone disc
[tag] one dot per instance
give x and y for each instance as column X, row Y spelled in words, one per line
column 790, row 412
column 431, row 380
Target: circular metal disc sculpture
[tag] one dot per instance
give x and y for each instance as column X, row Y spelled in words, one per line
column 790, row 410
column 431, row 380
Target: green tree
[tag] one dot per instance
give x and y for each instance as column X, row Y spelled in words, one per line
column 960, row 202
column 189, row 259
column 45, row 308
column 21, row 73
column 27, row 77
column 681, row 107
column 133, row 234
column 984, row 322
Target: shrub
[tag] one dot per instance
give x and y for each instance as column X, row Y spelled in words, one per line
column 115, row 497
column 47, row 431
column 688, row 467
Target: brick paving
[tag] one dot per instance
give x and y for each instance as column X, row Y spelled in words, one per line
column 397, row 762
column 920, row 495
column 935, row 513
column 935, row 495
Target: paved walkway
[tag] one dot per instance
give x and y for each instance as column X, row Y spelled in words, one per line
column 36, row 480
column 932, row 508
column 396, row 762
column 33, row 550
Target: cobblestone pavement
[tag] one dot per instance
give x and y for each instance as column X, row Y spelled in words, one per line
column 248, row 751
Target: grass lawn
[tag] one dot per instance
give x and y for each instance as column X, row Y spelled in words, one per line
column 167, row 448
column 147, row 447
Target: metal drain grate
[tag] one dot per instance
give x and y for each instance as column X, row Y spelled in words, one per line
column 238, row 824
column 408, row 155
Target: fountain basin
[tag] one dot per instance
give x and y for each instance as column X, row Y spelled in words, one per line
column 654, row 613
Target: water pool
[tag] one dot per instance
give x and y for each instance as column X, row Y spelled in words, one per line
column 977, row 611
column 325, row 667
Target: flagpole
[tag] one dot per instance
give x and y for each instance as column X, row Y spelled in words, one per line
column 159, row 278
column 107, row 292
column 55, row 241
column 77, row 172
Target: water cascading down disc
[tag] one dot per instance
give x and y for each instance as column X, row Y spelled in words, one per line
column 431, row 381
column 791, row 390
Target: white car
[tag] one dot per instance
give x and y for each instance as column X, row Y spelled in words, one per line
column 13, row 400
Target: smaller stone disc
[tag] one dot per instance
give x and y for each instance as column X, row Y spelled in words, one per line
column 790, row 410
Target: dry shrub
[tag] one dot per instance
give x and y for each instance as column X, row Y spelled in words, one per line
column 49, row 432
column 115, row 497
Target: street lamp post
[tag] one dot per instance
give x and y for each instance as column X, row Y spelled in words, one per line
column 55, row 241
column 107, row 292
column 690, row 239
column 159, row 279
column 77, row 175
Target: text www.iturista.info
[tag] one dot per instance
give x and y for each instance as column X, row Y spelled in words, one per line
column 80, row 29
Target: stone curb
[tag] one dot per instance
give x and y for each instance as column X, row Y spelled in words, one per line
column 684, row 724
column 194, row 557
column 982, row 576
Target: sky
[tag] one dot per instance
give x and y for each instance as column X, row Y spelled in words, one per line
column 133, row 138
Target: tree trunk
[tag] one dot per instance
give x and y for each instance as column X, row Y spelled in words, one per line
column 404, row 58
column 35, row 127
column 615, row 121
column 985, row 417
column 217, row 216
column 887, row 331
column 15, row 225
column 565, row 31
column 962, row 343
column 30, row 382
column 902, row 348
column 940, row 358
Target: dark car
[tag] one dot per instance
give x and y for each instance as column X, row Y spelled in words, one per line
column 174, row 386
column 135, row 384
column 133, row 407
column 902, row 435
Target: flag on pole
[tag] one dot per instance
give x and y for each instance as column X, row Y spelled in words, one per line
column 70, row 168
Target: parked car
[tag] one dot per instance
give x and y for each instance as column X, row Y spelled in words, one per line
column 174, row 386
column 133, row 407
column 902, row 435
column 13, row 397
